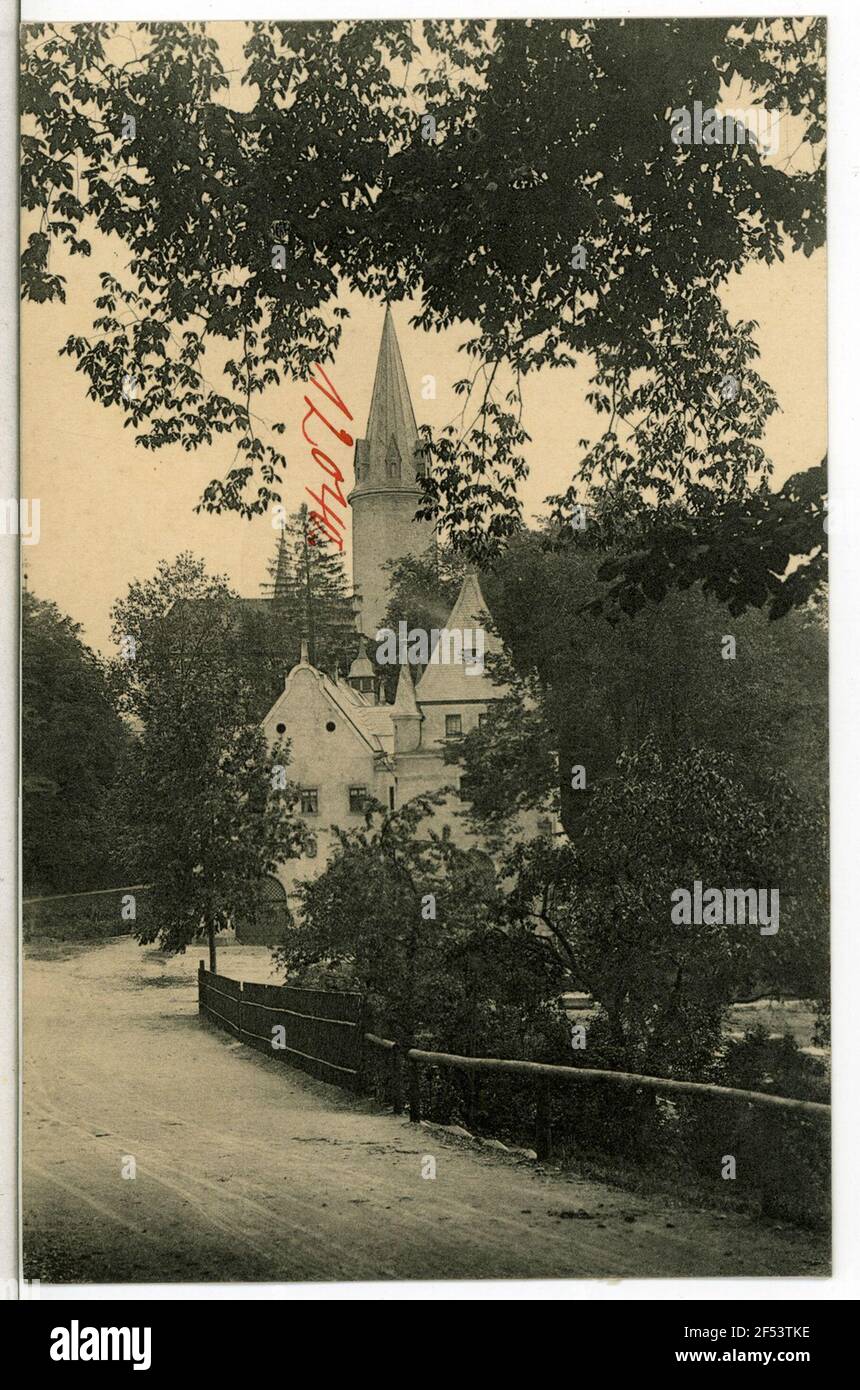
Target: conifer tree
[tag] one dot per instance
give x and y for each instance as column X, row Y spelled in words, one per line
column 310, row 595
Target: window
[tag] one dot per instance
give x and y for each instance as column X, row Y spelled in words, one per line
column 310, row 801
column 281, row 728
column 391, row 798
column 357, row 798
column 311, row 846
column 453, row 726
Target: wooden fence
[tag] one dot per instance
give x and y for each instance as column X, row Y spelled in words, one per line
column 324, row 1035
column 321, row 1031
column 411, row 1060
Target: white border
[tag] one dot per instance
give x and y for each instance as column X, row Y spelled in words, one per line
column 9, row 589
column 844, row 218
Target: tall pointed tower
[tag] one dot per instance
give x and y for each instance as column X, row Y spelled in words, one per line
column 388, row 463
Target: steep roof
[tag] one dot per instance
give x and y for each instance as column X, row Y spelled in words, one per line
column 392, row 434
column 362, row 667
column 371, row 723
column 450, row 682
column 391, row 414
column 404, row 697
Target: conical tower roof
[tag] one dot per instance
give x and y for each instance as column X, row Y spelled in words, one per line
column 387, row 457
column 390, row 464
column 391, row 414
column 404, row 699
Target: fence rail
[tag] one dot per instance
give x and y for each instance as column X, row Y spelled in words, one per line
column 322, row 1030
column 545, row 1074
column 324, row 1035
column 95, row 914
column 90, row 893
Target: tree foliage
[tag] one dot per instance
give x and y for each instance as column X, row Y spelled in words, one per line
column 72, row 742
column 545, row 137
column 604, row 901
column 580, row 691
column 208, row 807
column 418, row 922
column 422, row 588
column 310, row 595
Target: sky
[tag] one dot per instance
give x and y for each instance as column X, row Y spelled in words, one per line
column 111, row 511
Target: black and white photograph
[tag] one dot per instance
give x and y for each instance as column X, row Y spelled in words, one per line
column 423, row 526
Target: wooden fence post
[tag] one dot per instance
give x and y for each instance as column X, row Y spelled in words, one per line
column 200, row 971
column 239, row 1010
column 414, row 1091
column 396, row 1080
column 363, row 1071
column 543, row 1127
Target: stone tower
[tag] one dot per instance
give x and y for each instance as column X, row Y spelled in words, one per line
column 388, row 463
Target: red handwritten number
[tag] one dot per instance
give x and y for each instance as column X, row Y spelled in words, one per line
column 328, row 519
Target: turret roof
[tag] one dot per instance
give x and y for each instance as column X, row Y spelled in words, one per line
column 391, row 414
column 404, row 699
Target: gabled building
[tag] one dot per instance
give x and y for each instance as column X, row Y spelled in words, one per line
column 346, row 743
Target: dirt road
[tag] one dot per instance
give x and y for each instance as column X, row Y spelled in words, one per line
column 246, row 1170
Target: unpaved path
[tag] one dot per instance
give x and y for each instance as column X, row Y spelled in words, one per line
column 247, row 1170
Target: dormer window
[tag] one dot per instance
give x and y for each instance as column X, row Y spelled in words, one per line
column 392, row 461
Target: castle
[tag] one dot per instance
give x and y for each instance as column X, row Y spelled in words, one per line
column 347, row 745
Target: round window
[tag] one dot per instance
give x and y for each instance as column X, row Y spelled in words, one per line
column 330, row 727
column 281, row 728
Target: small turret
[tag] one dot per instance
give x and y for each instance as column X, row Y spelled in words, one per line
column 361, row 675
column 405, row 714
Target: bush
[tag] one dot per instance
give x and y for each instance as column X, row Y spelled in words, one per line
column 782, row 1159
column 81, row 919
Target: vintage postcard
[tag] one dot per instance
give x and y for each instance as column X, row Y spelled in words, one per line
column 424, row 703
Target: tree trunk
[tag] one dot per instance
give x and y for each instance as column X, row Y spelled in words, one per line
column 212, row 963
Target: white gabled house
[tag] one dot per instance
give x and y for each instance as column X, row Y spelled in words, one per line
column 345, row 743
